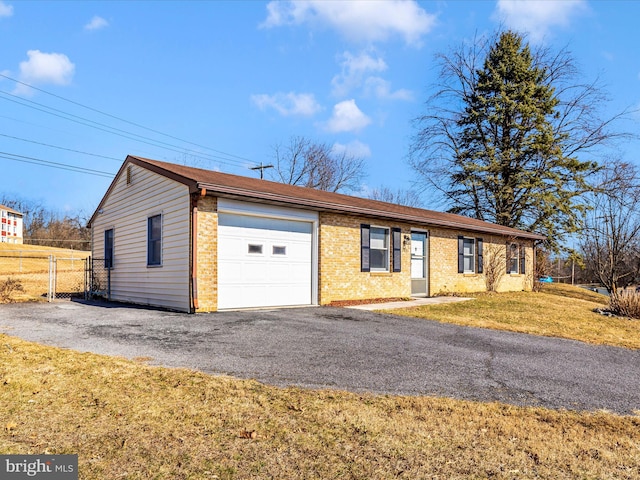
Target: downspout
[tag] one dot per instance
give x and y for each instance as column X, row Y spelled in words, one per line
column 194, row 252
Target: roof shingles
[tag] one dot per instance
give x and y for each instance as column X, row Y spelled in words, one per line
column 228, row 185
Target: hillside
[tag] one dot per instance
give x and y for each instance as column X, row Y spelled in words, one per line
column 39, row 250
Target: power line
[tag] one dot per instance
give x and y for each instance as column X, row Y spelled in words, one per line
column 113, row 130
column 124, row 120
column 60, row 148
column 57, row 165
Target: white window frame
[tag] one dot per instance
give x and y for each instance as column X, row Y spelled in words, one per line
column 472, row 255
column 386, row 250
column 514, row 258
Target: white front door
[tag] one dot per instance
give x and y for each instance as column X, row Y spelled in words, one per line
column 419, row 265
column 263, row 262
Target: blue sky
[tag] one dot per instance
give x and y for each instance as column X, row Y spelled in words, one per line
column 236, row 78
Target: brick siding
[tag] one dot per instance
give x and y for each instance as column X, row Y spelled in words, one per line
column 207, row 270
column 340, row 277
column 339, row 250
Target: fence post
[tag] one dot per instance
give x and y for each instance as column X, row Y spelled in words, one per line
column 55, row 277
column 87, row 263
column 50, row 292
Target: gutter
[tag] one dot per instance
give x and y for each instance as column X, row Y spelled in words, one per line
column 340, row 208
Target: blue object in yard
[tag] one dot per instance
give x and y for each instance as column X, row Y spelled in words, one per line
column 546, row 279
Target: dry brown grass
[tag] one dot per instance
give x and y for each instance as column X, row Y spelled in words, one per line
column 128, row 420
column 626, row 303
column 558, row 311
column 29, row 264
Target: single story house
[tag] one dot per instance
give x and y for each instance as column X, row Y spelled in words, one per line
column 196, row 240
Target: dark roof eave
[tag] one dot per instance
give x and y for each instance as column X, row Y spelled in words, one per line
column 340, row 208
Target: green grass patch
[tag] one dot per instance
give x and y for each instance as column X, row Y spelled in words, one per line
column 558, row 311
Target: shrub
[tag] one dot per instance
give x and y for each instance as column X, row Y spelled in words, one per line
column 625, row 304
column 8, row 288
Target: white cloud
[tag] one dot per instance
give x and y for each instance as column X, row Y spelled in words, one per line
column 537, row 17
column 354, row 70
column 347, row 117
column 6, row 10
column 355, row 74
column 364, row 20
column 44, row 68
column 96, row 23
column 352, row 149
column 381, row 88
column 288, row 104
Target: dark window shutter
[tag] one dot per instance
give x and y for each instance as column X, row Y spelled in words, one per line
column 523, row 260
column 397, row 250
column 364, row 248
column 460, row 254
column 479, row 262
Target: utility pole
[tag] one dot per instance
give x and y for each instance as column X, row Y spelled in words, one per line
column 261, row 168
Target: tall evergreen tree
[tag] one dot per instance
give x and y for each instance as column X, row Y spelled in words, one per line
column 502, row 145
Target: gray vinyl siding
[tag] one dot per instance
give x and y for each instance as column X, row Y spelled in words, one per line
column 126, row 210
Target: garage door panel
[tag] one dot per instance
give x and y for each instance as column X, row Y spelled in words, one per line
column 263, row 262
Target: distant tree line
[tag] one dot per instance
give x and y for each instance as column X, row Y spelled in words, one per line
column 46, row 227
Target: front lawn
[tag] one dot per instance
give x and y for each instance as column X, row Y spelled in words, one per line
column 131, row 421
column 558, row 311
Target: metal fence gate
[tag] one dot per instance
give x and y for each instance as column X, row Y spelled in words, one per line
column 34, row 275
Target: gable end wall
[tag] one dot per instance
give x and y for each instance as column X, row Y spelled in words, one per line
column 126, row 210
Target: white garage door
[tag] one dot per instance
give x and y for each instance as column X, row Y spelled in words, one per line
column 263, row 262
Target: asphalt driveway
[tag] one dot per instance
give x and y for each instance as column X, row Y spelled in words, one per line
column 347, row 349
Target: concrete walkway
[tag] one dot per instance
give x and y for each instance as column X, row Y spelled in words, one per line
column 410, row 303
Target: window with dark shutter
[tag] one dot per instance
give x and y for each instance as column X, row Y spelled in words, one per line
column 364, row 248
column 397, row 250
column 479, row 258
column 512, row 258
column 466, row 255
column 523, row 260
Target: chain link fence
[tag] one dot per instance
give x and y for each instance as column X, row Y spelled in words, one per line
column 97, row 279
column 25, row 275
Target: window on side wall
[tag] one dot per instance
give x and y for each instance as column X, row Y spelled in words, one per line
column 154, row 240
column 108, row 248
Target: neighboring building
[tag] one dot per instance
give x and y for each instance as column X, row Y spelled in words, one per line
column 11, row 226
column 196, row 240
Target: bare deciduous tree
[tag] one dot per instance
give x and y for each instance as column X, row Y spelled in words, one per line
column 317, row 165
column 44, row 227
column 408, row 198
column 611, row 234
column 494, row 265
